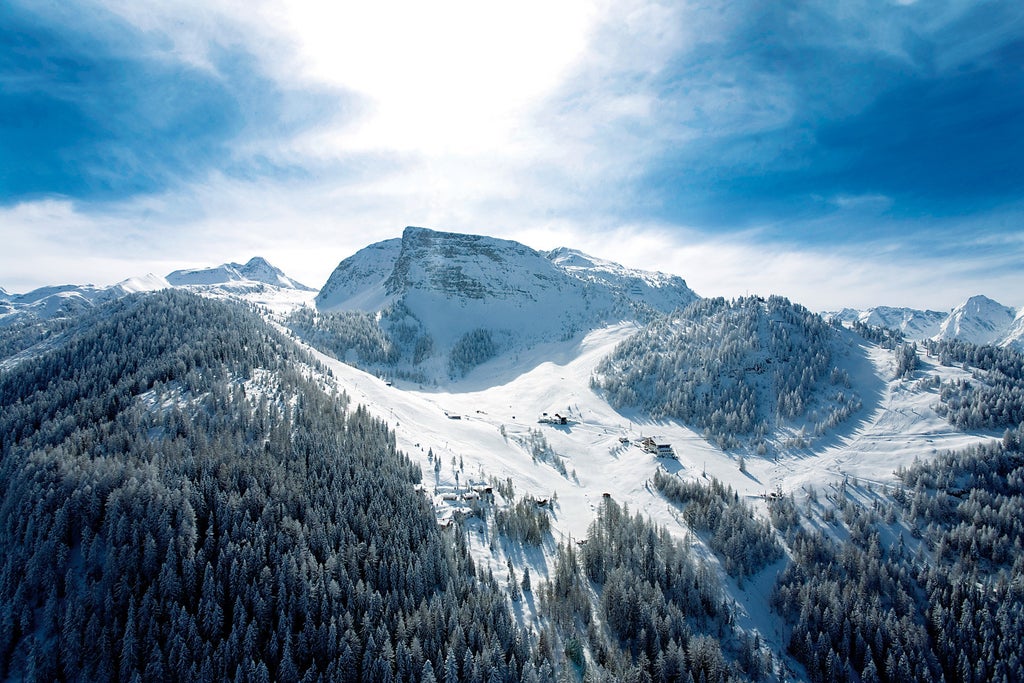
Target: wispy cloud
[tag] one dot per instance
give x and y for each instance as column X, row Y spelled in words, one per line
column 97, row 109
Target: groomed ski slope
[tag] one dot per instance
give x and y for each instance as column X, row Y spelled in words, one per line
column 896, row 425
column 466, row 421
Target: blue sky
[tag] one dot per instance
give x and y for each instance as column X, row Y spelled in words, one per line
column 842, row 154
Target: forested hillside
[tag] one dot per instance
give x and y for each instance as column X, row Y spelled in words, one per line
column 660, row 613
column 182, row 502
column 392, row 342
column 994, row 397
column 734, row 369
column 943, row 600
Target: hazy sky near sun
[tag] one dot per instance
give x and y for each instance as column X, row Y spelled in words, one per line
column 855, row 153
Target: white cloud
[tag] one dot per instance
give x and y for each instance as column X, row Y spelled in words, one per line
column 303, row 233
column 883, row 272
column 527, row 121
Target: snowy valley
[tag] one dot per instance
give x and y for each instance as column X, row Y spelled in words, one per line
column 696, row 488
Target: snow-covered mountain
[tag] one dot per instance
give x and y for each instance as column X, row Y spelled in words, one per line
column 255, row 270
column 658, row 290
column 914, row 323
column 45, row 303
column 736, row 369
column 455, row 291
column 979, row 320
column 1015, row 335
column 776, row 424
column 256, row 281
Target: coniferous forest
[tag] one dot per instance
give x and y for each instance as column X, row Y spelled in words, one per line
column 735, row 370
column 187, row 497
column 169, row 515
column 943, row 600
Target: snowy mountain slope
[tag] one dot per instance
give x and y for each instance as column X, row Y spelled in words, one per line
column 60, row 301
column 913, row 323
column 1015, row 334
column 465, row 298
column 978, row 320
column 255, row 270
column 495, row 421
column 145, row 283
column 358, row 282
column 658, row 290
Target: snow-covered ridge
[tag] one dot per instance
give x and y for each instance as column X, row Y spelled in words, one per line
column 978, row 320
column 1015, row 334
column 472, row 289
column 659, row 290
column 255, row 270
column 69, row 300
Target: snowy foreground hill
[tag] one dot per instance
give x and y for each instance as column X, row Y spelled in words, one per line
column 469, row 460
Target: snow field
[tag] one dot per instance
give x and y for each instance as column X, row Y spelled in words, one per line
column 896, row 426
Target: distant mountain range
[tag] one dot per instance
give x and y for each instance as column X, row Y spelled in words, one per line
column 451, row 284
column 978, row 320
column 68, row 300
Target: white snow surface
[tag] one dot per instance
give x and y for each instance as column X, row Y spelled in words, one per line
column 255, row 270
column 498, row 404
column 979, row 320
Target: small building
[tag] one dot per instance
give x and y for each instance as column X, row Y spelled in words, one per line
column 664, row 450
column 661, row 450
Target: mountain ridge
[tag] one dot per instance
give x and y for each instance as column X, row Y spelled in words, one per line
column 256, row 269
column 44, row 303
column 978, row 319
column 457, row 292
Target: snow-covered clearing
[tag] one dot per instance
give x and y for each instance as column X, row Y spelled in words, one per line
column 483, row 421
